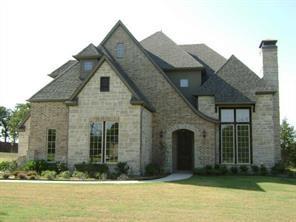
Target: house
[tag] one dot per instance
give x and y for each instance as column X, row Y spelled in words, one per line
column 182, row 106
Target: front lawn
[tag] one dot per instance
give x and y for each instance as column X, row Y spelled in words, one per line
column 225, row 198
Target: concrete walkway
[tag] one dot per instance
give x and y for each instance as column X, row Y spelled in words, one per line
column 169, row 178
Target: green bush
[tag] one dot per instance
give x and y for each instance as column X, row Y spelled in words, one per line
column 36, row 165
column 122, row 168
column 200, row 171
column 49, row 174
column 244, row 169
column 209, row 169
column 8, row 165
column 255, row 169
column 234, row 169
column 278, row 168
column 223, row 170
column 57, row 166
column 263, row 170
column 152, row 169
column 101, row 176
column 80, row 175
column 65, row 174
column 92, row 168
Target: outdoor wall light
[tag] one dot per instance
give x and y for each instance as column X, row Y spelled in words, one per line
column 204, row 134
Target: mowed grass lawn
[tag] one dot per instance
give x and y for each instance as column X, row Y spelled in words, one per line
column 226, row 198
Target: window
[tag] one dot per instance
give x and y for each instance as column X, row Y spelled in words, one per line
column 105, row 82
column 104, row 142
column 235, row 135
column 87, row 66
column 184, row 83
column 51, row 144
column 119, row 50
column 96, row 142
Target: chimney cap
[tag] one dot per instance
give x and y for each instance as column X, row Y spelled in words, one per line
column 267, row 43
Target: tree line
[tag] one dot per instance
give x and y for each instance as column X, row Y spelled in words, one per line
column 10, row 120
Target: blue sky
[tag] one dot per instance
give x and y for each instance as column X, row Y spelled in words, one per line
column 42, row 35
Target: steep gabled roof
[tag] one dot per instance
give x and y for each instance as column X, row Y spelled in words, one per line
column 62, row 68
column 88, row 52
column 167, row 54
column 204, row 53
column 239, row 76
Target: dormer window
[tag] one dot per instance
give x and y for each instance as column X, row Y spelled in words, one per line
column 87, row 66
column 119, row 50
column 184, row 83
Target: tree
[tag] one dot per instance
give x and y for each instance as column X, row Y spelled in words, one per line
column 18, row 114
column 288, row 143
column 4, row 120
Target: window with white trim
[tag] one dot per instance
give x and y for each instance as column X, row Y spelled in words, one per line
column 104, row 142
column 235, row 133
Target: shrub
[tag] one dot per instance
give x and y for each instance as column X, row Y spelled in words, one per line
column 152, row 169
column 122, row 177
column 36, row 165
column 32, row 177
column 22, row 176
column 101, row 176
column 209, row 169
column 65, row 174
column 6, row 175
column 49, row 174
column 92, row 168
column 234, row 170
column 200, row 171
column 57, row 166
column 122, row 168
column 32, row 173
column 244, row 169
column 223, row 170
column 8, row 165
column 255, row 169
column 263, row 170
column 80, row 175
column 278, row 168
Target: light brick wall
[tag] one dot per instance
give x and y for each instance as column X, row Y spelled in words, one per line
column 23, row 144
column 44, row 116
column 171, row 110
column 94, row 105
column 146, row 152
column 206, row 104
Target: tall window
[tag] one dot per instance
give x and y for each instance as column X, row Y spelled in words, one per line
column 119, row 50
column 104, row 142
column 105, row 84
column 51, row 144
column 235, row 136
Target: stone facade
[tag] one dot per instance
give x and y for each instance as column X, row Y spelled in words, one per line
column 206, row 104
column 146, row 141
column 24, row 137
column 96, row 106
column 171, row 109
column 44, row 116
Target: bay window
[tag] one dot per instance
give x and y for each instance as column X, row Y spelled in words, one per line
column 235, row 136
column 104, row 142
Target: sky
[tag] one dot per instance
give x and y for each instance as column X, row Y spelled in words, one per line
column 37, row 37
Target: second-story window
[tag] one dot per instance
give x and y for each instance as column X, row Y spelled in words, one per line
column 184, row 83
column 87, row 66
column 105, row 84
column 119, row 50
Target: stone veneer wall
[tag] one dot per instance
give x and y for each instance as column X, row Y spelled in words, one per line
column 263, row 131
column 94, row 105
column 24, row 136
column 146, row 142
column 171, row 110
column 44, row 116
column 206, row 104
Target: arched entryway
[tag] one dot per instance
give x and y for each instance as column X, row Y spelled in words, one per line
column 183, row 150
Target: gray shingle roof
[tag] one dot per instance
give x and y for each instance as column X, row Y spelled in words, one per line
column 210, row 57
column 90, row 51
column 239, row 76
column 167, row 54
column 62, row 68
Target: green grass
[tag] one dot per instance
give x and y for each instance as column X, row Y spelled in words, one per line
column 224, row 198
column 7, row 156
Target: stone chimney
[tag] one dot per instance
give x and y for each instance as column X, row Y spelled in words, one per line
column 270, row 62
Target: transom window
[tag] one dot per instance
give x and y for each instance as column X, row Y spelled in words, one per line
column 184, row 83
column 119, row 50
column 235, row 136
column 105, row 84
column 87, row 66
column 104, row 142
column 51, row 144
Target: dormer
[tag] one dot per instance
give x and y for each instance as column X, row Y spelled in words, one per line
column 88, row 59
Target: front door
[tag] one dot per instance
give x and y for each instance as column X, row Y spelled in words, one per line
column 184, row 150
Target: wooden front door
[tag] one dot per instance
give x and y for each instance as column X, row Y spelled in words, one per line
column 185, row 150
